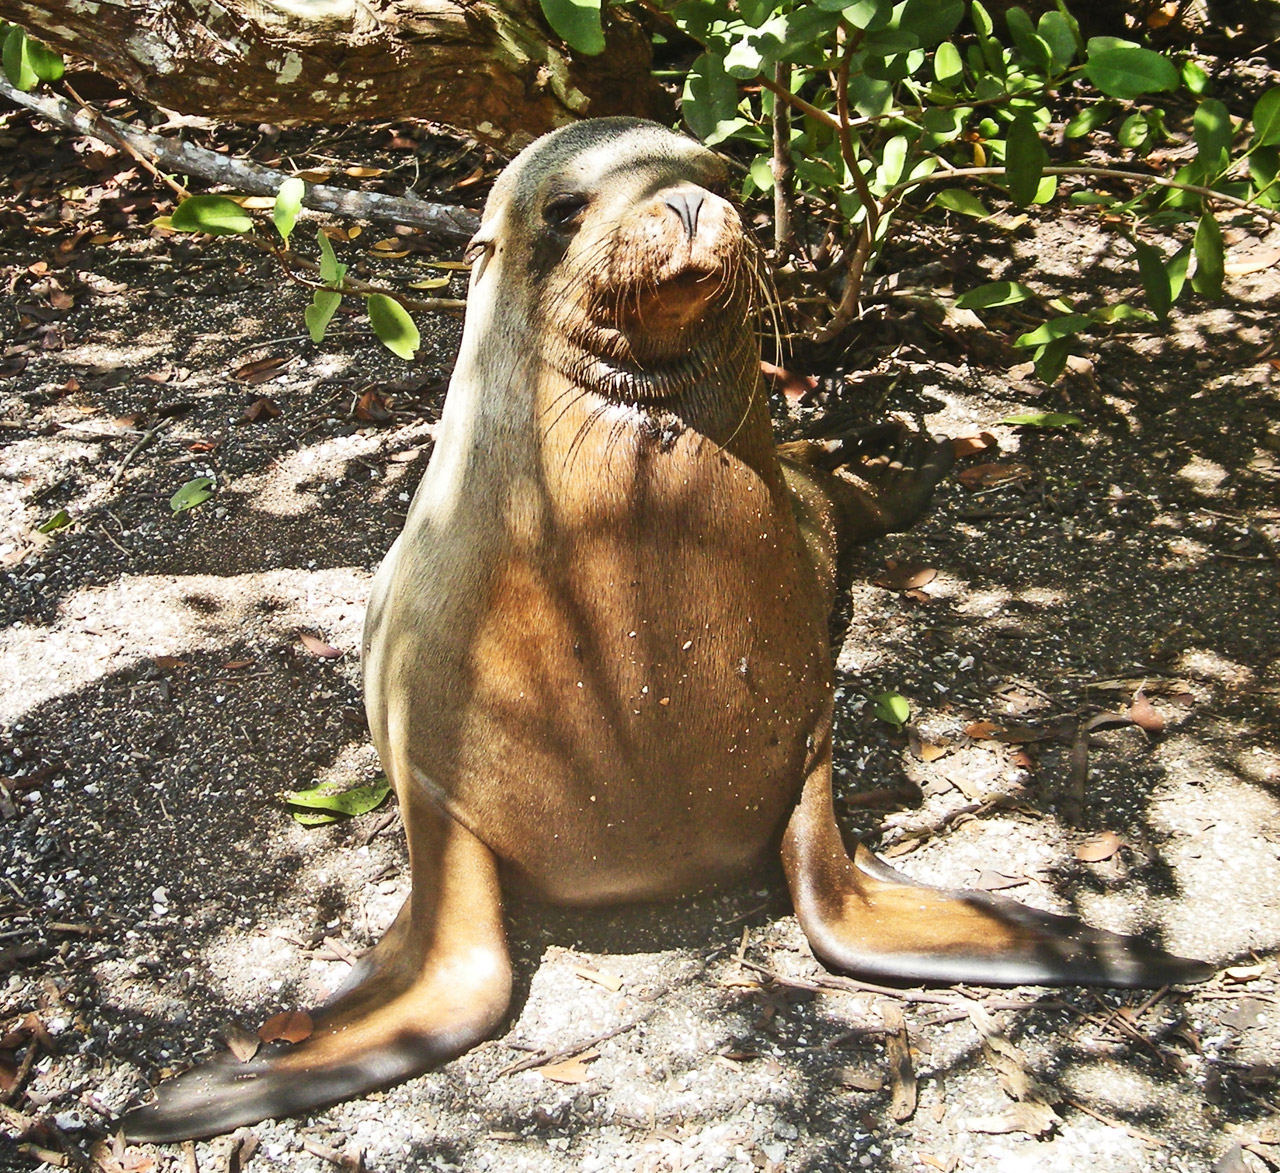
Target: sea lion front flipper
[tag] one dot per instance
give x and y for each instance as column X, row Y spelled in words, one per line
column 862, row 916
column 440, row 985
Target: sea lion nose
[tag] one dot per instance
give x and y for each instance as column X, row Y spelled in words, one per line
column 686, row 203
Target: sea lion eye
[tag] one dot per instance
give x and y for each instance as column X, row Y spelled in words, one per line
column 562, row 210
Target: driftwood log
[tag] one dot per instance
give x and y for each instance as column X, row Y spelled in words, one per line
column 492, row 68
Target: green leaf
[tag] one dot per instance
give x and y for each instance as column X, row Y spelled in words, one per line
column 1024, row 36
column 18, row 65
column 1054, row 330
column 929, row 21
column 1213, row 131
column 762, row 173
column 1194, row 78
column 892, row 707
column 1051, row 359
column 329, row 804
column 1121, row 69
column 1025, row 159
column 46, row 62
column 956, row 199
column 319, row 313
column 1043, row 419
column 214, row 214
column 288, row 204
column 1210, row 262
column 193, row 493
column 1088, row 120
column 997, row 293
column 1266, row 119
column 1177, row 270
column 393, row 326
column 867, row 15
column 710, row 100
column 894, row 160
column 1134, row 132
column 1057, row 31
column 331, row 273
column 59, row 520
column 1122, row 311
column 1155, row 278
column 1264, row 166
column 577, row 23
column 948, row 68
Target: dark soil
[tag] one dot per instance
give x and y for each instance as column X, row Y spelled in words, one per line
column 157, row 700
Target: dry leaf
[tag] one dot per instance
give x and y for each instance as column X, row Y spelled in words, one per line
column 986, row 476
column 317, row 646
column 572, row 1070
column 373, row 407
column 260, row 370
column 943, row 1164
column 1101, row 847
column 1030, row 1117
column 261, row 408
column 902, row 1076
column 964, row 446
column 364, row 172
column 610, row 981
column 233, row 664
column 1143, row 714
column 990, row 881
column 168, row 663
column 982, row 730
column 241, row 1043
column 908, row 576
column 859, row 1080
column 1252, row 262
column 795, row 387
column 1238, row 974
column 931, row 752
column 289, row 1026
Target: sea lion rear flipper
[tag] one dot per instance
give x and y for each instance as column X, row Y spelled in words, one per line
column 439, row 985
column 862, row 916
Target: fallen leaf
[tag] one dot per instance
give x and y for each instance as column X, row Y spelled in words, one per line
column 1238, row 974
column 260, row 370
column 374, row 407
column 986, row 476
column 289, row 1026
column 572, row 1070
column 982, row 730
column 963, row 446
column 1143, row 714
column 906, row 576
column 1252, row 262
column 1033, row 1118
column 902, row 1076
column 942, row 1164
column 317, row 647
column 233, row 664
column 168, row 663
column 931, row 752
column 990, row 881
column 241, row 1043
column 610, row 981
column 794, row 386
column 261, row 408
column 1100, row 847
column 860, row 1080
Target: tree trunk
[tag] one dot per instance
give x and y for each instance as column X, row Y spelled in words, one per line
column 490, row 67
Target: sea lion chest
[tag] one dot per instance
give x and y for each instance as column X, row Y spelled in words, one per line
column 623, row 695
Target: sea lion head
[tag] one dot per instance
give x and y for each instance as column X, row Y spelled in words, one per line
column 618, row 239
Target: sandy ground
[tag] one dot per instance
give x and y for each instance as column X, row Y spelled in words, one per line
column 156, row 701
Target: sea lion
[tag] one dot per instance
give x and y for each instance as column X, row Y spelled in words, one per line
column 596, row 659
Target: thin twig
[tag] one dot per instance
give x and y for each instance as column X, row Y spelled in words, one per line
column 543, row 1058
column 145, row 439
